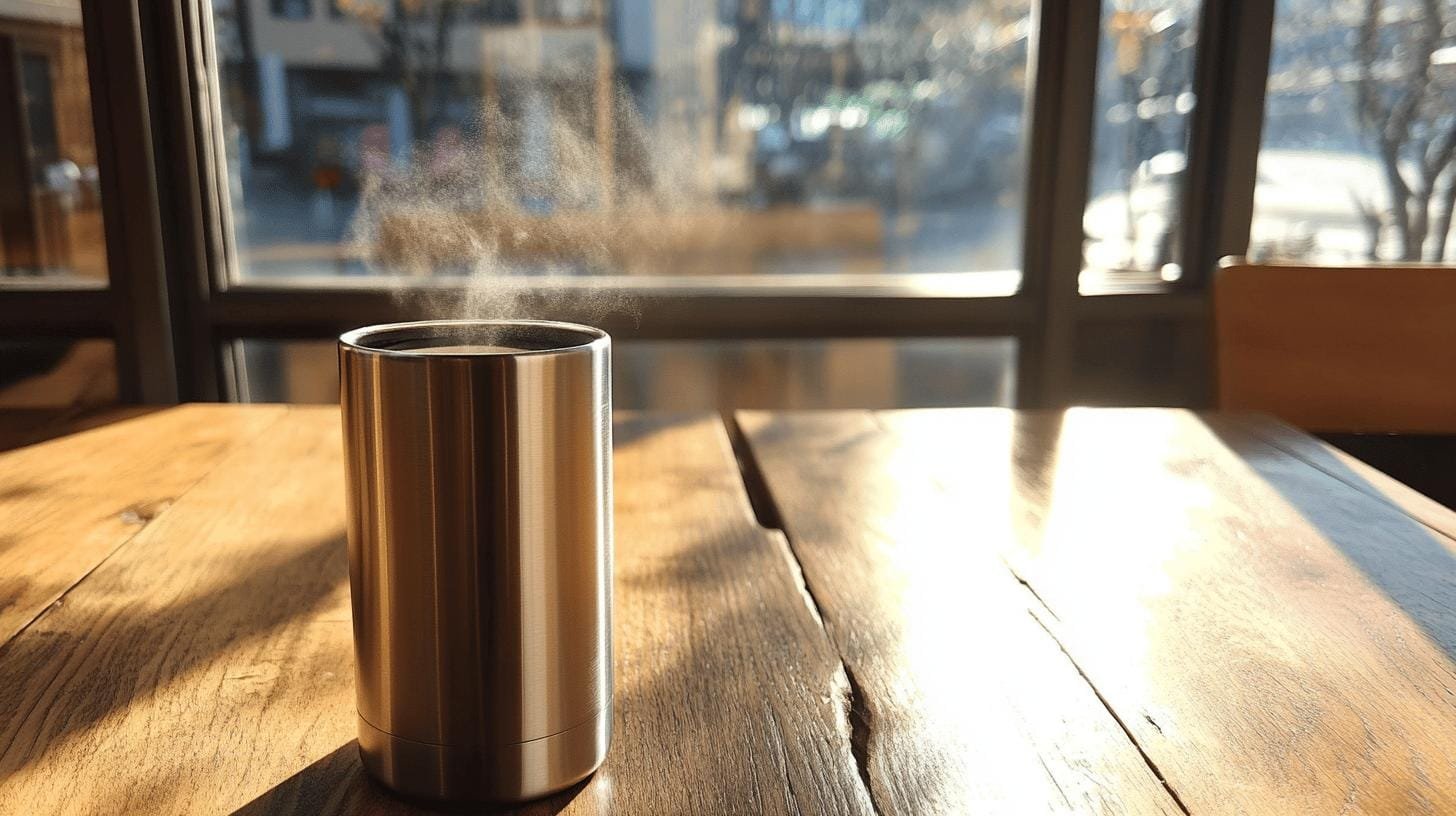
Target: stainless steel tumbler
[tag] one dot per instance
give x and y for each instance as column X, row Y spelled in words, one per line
column 479, row 466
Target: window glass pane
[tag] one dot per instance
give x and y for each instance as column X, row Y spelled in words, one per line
column 628, row 137
column 706, row 375
column 50, row 198
column 46, row 373
column 1359, row 133
column 1139, row 141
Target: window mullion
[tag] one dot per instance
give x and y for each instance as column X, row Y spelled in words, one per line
column 1223, row 149
column 1059, row 149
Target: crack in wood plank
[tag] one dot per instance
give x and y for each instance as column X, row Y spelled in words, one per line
column 1147, row 759
column 760, row 500
column 796, row 571
column 854, row 707
column 1029, row 588
column 861, row 729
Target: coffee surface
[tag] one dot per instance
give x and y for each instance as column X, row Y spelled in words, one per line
column 472, row 348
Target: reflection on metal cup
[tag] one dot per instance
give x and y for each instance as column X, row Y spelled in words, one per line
column 479, row 472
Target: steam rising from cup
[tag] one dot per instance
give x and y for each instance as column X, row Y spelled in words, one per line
column 570, row 186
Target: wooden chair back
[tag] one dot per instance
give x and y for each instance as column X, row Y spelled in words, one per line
column 1339, row 349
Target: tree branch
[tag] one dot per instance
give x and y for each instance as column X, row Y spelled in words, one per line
column 1406, row 108
column 1441, row 227
column 1368, row 107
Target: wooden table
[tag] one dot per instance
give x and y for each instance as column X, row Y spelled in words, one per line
column 961, row 611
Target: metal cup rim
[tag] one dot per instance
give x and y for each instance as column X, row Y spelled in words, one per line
column 357, row 340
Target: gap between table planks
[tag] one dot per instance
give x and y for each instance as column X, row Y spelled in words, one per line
column 1273, row 637
column 970, row 707
column 170, row 682
column 205, row 667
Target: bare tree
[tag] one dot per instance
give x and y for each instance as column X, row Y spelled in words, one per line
column 1407, row 112
column 413, row 40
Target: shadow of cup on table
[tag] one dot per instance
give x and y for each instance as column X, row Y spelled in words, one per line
column 700, row 724
column 270, row 591
column 337, row 783
column 668, row 725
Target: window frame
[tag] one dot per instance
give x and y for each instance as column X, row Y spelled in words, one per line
column 177, row 315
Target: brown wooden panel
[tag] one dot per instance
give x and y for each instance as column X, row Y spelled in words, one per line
column 1339, row 349
column 206, row 666
column 965, row 703
column 67, row 504
column 1275, row 640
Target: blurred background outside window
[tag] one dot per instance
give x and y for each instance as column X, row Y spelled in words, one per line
column 642, row 138
column 1139, row 140
column 829, row 146
column 50, row 201
column 1359, row 149
column 849, row 141
column 1358, row 158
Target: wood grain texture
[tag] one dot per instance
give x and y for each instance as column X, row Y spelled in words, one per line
column 206, row 666
column 1209, row 618
column 965, row 703
column 66, row 504
column 730, row 698
column 1275, row 640
column 1342, row 466
column 1339, row 349
column 203, row 659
